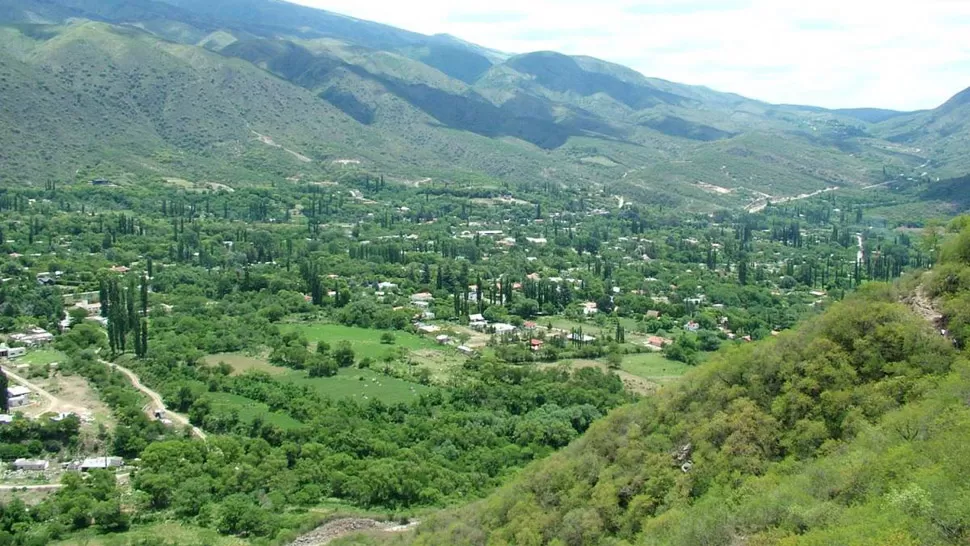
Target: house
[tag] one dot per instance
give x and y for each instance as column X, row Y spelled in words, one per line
column 478, row 324
column 17, row 390
column 45, row 279
column 11, row 352
column 33, row 336
column 442, row 339
column 421, row 297
column 653, row 314
column 537, row 240
column 386, row 286
column 503, row 328
column 428, row 328
column 589, row 308
column 33, row 465
column 119, row 269
column 466, row 350
column 101, row 463
column 657, row 342
column 692, row 326
column 529, row 325
column 476, row 318
column 535, row 344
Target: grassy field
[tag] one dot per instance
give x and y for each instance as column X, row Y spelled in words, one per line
column 248, row 410
column 366, row 342
column 654, row 367
column 172, row 533
column 242, row 363
column 361, row 385
column 41, row 357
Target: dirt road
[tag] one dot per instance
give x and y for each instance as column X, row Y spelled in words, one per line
column 44, row 487
column 157, row 402
column 51, row 403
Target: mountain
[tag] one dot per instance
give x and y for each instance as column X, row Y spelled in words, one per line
column 213, row 83
column 942, row 135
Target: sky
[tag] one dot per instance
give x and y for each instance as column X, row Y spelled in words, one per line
column 898, row 54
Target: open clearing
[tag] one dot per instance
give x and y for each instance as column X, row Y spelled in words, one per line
column 366, row 342
column 355, row 383
column 654, row 367
column 171, row 533
column 242, row 363
column 41, row 357
column 75, row 391
column 249, row 409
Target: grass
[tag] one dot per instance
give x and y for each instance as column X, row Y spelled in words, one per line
column 654, row 367
column 366, row 342
column 249, row 409
column 242, row 363
column 348, row 384
column 41, row 357
column 173, row 533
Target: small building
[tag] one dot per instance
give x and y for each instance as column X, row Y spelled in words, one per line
column 476, row 318
column 31, row 465
column 33, row 337
column 17, row 390
column 11, row 352
column 6, row 418
column 466, row 350
column 535, row 344
column 442, row 339
column 529, row 325
column 428, row 328
column 590, row 308
column 658, row 342
column 653, row 314
column 503, row 328
column 421, row 297
column 45, row 279
column 102, row 463
column 692, row 326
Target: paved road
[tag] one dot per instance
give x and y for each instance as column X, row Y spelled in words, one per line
column 157, row 402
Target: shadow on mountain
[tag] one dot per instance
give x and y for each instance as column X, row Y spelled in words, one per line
column 954, row 190
column 679, row 127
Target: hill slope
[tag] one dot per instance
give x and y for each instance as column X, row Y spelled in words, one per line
column 330, row 87
column 842, row 432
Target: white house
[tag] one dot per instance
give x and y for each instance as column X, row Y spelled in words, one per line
column 590, row 308
column 35, row 465
column 503, row 328
column 33, row 336
column 101, row 462
column 11, row 352
column 466, row 350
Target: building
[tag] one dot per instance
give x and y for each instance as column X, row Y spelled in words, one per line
column 503, row 328
column 33, row 337
column 692, row 326
column 11, row 352
column 466, row 350
column 6, row 418
column 658, row 342
column 32, row 465
column 442, row 339
column 100, row 463
column 536, row 344
column 590, row 308
column 653, row 314
column 422, row 297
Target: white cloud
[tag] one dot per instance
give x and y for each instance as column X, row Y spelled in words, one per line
column 835, row 53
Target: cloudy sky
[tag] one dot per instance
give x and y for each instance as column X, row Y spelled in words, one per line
column 901, row 54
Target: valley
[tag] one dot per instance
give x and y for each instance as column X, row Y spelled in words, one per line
column 272, row 275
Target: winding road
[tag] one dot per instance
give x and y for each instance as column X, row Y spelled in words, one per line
column 157, row 402
column 51, row 403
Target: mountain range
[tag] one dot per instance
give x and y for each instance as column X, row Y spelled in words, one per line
column 249, row 91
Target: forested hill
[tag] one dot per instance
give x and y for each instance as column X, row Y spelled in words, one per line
column 848, row 430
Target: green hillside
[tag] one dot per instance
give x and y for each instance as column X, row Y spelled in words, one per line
column 848, row 430
column 243, row 92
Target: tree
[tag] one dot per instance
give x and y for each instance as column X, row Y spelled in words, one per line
column 344, row 355
column 4, row 383
column 387, row 338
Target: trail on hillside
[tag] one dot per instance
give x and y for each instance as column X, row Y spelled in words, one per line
column 340, row 528
column 157, row 402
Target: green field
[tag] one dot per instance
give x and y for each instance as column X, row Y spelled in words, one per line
column 654, row 367
column 248, row 410
column 366, row 342
column 172, row 533
column 361, row 385
column 242, row 363
column 41, row 357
